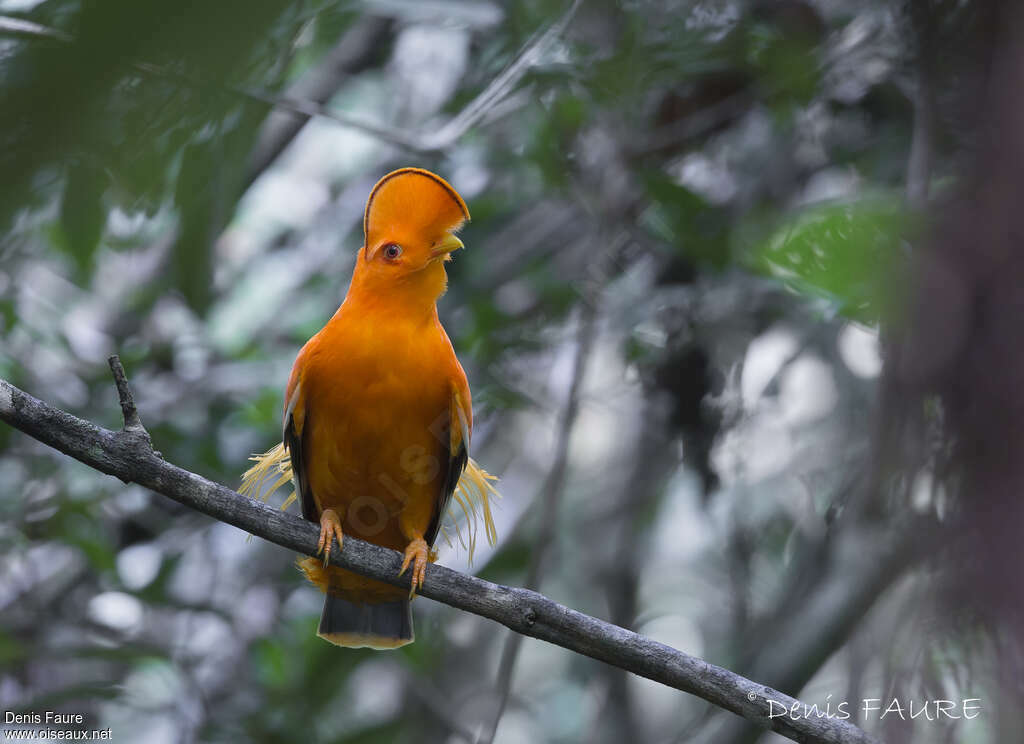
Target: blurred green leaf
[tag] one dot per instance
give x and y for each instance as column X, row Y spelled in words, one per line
column 83, row 214
column 687, row 222
column 384, row 733
column 786, row 66
column 846, row 253
column 84, row 531
column 552, row 145
column 271, row 660
column 11, row 651
column 509, row 564
column 194, row 197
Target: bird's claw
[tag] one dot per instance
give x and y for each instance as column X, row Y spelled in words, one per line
column 416, row 554
column 330, row 530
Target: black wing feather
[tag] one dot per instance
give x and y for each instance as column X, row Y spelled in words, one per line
column 294, row 444
column 456, row 464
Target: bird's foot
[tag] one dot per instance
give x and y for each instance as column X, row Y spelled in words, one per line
column 416, row 554
column 330, row 530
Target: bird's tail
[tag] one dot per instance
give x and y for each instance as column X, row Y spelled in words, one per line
column 359, row 612
column 360, row 625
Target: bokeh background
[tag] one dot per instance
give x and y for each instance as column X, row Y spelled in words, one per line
column 739, row 309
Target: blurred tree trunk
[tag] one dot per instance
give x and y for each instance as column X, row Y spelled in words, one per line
column 963, row 341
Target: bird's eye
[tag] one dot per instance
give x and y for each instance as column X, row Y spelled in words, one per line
column 392, row 251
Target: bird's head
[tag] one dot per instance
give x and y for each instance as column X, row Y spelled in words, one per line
column 410, row 222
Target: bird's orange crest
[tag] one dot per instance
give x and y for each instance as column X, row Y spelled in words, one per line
column 413, row 200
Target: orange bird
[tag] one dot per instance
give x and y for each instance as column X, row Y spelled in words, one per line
column 378, row 415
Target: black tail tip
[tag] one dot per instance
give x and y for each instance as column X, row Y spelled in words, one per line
column 358, row 625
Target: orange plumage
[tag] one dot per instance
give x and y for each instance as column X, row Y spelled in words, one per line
column 377, row 408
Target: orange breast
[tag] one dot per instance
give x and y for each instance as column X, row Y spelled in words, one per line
column 377, row 406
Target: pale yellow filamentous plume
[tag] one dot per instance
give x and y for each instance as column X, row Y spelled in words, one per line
column 473, row 495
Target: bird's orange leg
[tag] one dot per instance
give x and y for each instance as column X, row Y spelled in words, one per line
column 330, row 530
column 416, row 554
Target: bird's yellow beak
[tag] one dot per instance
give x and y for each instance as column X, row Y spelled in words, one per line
column 445, row 246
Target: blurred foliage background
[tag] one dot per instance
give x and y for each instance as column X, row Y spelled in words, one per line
column 690, row 220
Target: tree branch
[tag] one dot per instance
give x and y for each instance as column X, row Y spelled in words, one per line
column 129, row 412
column 125, row 455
